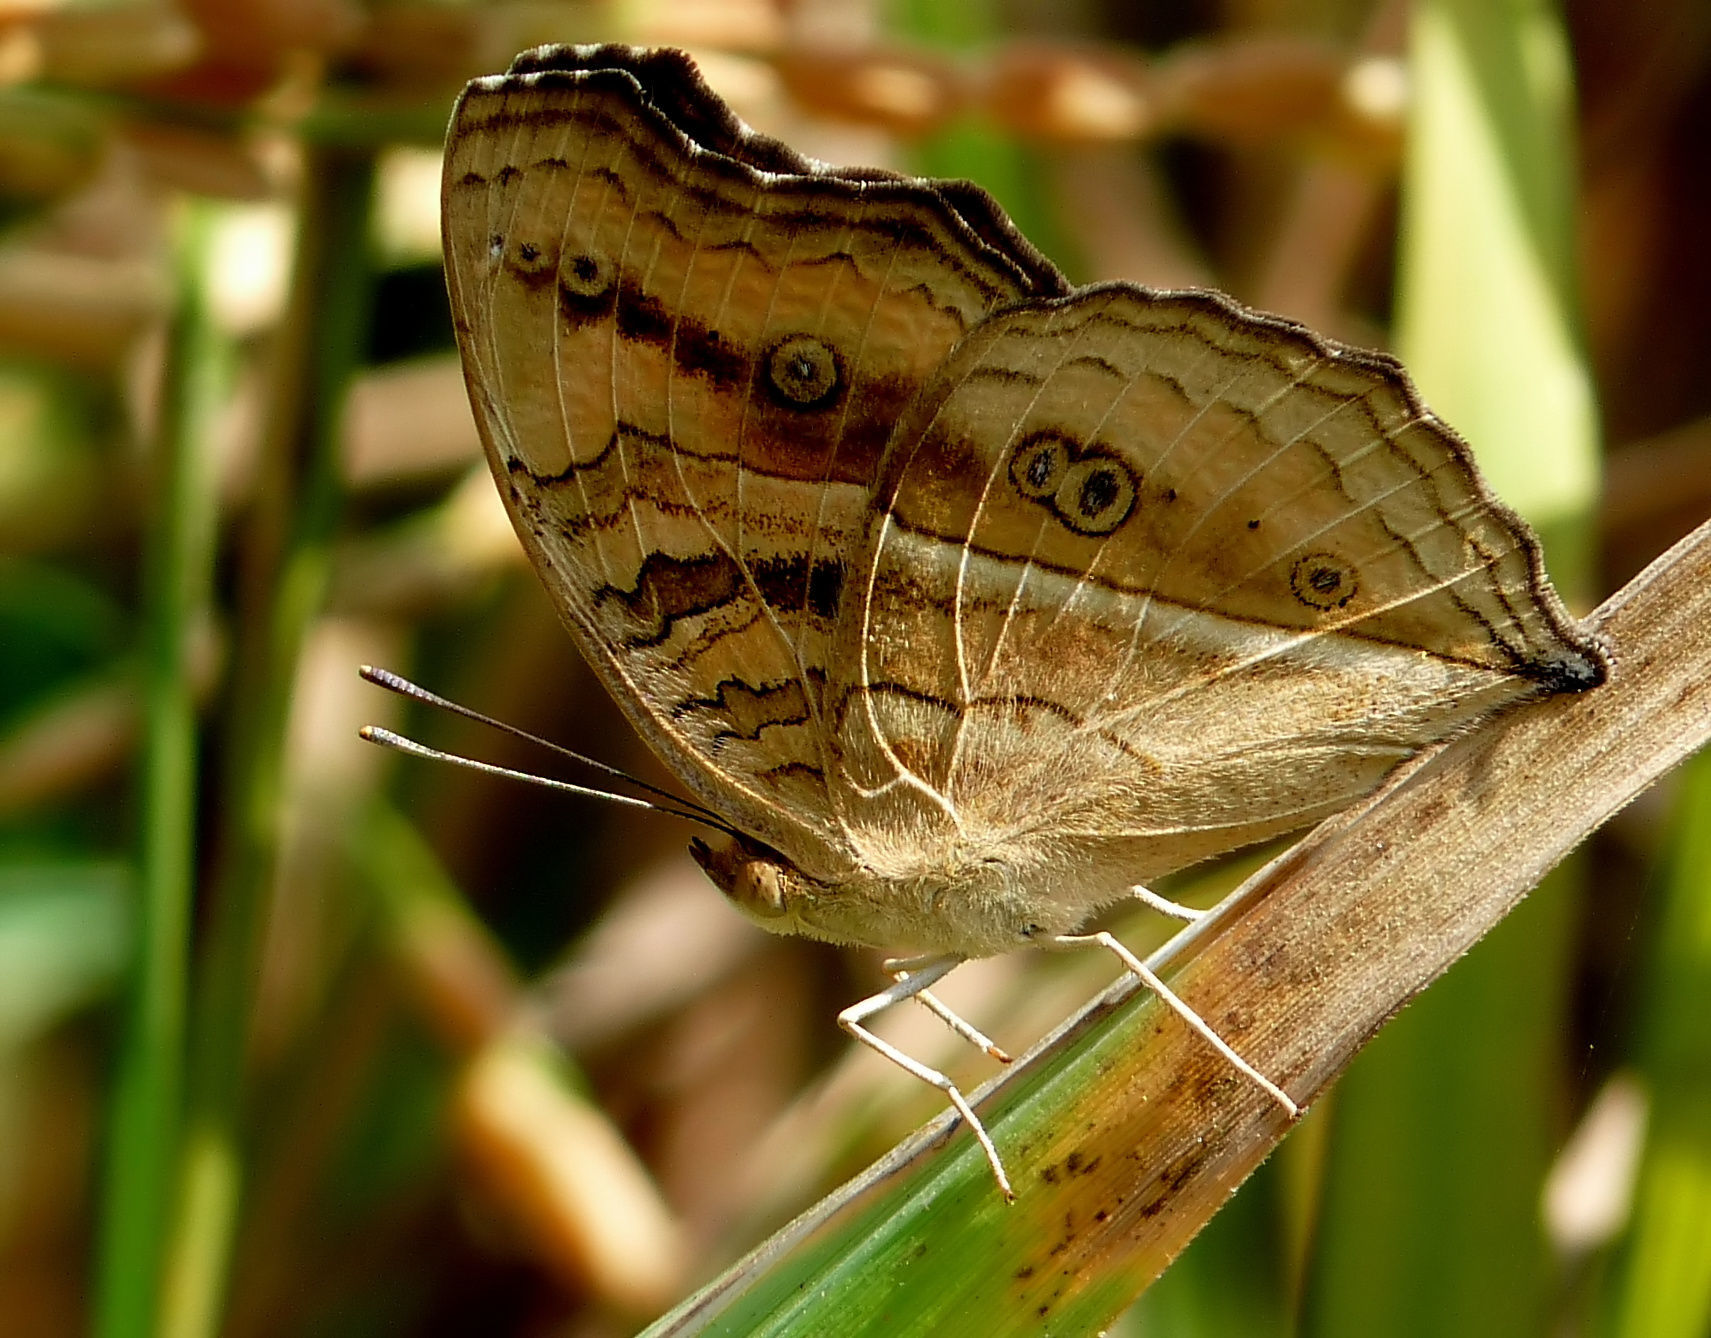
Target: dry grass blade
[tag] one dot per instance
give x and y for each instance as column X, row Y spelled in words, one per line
column 1125, row 1133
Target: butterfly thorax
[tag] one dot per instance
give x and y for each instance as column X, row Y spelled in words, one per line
column 978, row 905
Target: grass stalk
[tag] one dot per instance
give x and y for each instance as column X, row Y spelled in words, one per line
column 143, row 1126
column 296, row 512
column 1661, row 1285
column 1445, row 1129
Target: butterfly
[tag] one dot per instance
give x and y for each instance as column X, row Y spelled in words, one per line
column 964, row 600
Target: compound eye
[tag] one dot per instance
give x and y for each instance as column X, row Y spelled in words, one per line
column 760, row 889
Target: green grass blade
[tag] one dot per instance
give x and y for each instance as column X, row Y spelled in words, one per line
column 285, row 579
column 1444, row 1129
column 1229, row 1281
column 142, row 1138
column 1662, row 1286
column 973, row 150
column 1486, row 314
column 66, row 937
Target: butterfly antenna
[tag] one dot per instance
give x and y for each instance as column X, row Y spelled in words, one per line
column 673, row 804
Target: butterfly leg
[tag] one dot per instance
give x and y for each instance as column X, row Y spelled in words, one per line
column 910, row 985
column 901, row 968
column 1169, row 997
column 1164, row 905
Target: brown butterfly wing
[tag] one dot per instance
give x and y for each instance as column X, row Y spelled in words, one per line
column 1152, row 576
column 686, row 347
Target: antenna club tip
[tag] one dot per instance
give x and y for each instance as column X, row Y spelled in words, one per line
column 386, row 738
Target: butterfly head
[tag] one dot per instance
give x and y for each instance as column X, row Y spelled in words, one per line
column 920, row 906
column 759, row 881
column 865, row 908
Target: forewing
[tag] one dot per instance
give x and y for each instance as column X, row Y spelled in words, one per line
column 686, row 347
